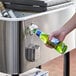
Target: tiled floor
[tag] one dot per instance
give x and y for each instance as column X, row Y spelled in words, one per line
column 55, row 67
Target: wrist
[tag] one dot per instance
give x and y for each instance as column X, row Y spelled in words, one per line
column 64, row 31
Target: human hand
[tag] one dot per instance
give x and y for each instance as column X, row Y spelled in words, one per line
column 59, row 34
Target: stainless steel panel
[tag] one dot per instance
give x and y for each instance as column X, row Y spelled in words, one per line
column 9, row 49
column 2, row 48
column 47, row 23
column 12, row 48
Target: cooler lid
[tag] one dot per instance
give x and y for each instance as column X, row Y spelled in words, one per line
column 36, row 2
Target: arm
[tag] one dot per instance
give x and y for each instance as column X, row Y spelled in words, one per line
column 70, row 25
column 63, row 31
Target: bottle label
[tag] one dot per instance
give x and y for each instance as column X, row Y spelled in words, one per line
column 55, row 41
column 38, row 32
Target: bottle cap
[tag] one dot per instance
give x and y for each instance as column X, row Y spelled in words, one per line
column 33, row 26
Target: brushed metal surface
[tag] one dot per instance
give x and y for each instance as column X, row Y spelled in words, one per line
column 9, row 49
column 2, row 48
column 12, row 48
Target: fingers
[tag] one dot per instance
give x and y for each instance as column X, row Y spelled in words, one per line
column 48, row 46
column 57, row 34
column 62, row 36
column 51, row 36
column 54, row 34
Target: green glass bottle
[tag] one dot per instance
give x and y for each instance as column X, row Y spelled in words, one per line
column 55, row 43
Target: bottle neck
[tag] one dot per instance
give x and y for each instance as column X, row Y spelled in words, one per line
column 2, row 6
column 37, row 32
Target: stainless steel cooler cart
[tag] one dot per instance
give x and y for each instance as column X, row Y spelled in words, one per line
column 15, row 39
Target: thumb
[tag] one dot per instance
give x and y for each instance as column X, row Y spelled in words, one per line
column 52, row 35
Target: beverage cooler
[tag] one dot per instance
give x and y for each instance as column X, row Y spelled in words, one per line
column 20, row 50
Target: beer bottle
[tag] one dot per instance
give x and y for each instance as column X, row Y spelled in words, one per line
column 55, row 43
column 3, row 11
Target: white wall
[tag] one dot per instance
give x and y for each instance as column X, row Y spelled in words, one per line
column 74, row 2
column 75, row 30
